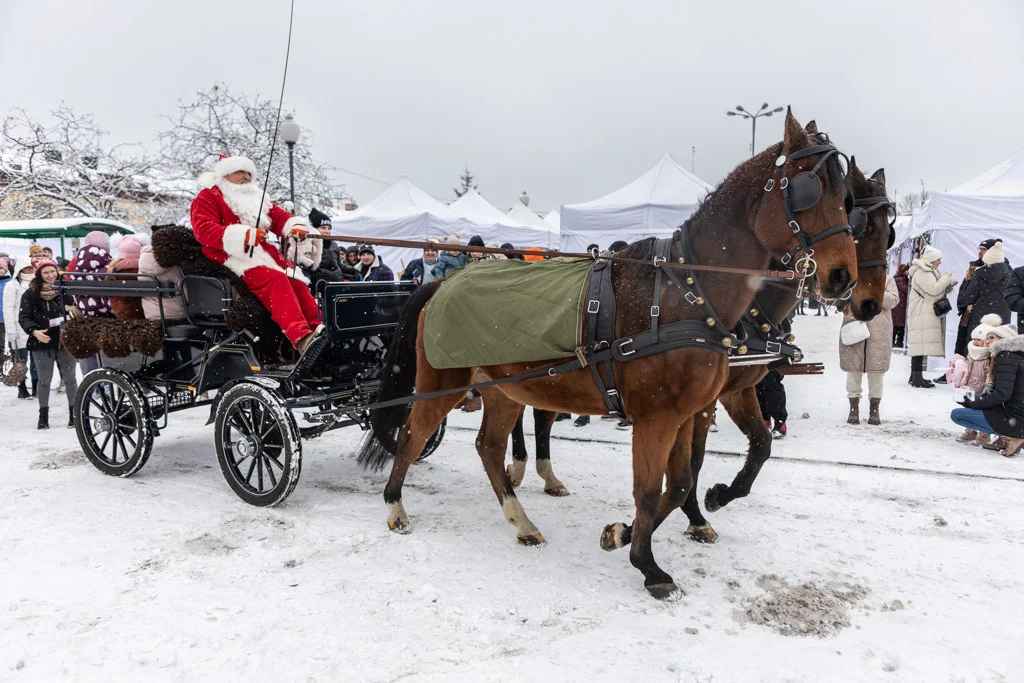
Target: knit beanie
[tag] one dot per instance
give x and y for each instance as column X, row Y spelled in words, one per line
column 1003, row 332
column 476, row 241
column 319, row 219
column 366, row 249
column 930, row 254
column 988, row 244
column 98, row 238
column 39, row 264
column 988, row 322
column 129, row 248
column 994, row 254
column 453, row 239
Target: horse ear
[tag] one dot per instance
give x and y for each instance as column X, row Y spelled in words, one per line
column 795, row 137
column 879, row 176
column 811, row 127
column 855, row 172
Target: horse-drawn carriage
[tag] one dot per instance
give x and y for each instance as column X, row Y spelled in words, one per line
column 253, row 400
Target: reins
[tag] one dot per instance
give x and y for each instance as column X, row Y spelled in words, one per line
column 681, row 265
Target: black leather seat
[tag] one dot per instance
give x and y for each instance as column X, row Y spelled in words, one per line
column 176, row 332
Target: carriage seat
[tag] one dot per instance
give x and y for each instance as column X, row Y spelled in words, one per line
column 207, row 300
column 183, row 332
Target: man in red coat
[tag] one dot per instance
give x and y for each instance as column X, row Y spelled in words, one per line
column 225, row 223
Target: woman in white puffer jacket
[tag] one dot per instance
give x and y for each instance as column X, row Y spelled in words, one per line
column 23, row 274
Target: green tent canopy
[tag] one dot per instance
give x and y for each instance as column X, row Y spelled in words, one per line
column 61, row 228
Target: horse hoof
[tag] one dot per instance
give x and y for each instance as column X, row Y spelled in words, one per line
column 702, row 534
column 664, row 591
column 516, row 481
column 531, row 540
column 400, row 526
column 711, row 498
column 557, row 491
column 615, row 536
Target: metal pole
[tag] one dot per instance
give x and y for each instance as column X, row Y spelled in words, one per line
column 753, row 134
column 693, row 154
column 291, row 173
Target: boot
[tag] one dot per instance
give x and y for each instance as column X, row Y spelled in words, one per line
column 1012, row 447
column 873, row 417
column 996, row 444
column 854, row 417
column 34, row 383
column 969, row 436
column 71, row 420
column 23, row 391
column 582, row 421
column 916, row 377
column 44, row 419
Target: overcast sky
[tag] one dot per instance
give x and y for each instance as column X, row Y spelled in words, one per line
column 567, row 100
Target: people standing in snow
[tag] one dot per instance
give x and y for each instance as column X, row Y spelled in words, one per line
column 870, row 356
column 984, row 292
column 448, row 260
column 421, row 271
column 41, row 315
column 23, row 273
column 999, row 410
column 1014, row 296
column 899, row 311
column 5, row 277
column 926, row 334
column 371, row 268
column 972, row 371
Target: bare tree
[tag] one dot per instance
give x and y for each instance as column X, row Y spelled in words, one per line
column 218, row 121
column 909, row 203
column 466, row 179
column 63, row 168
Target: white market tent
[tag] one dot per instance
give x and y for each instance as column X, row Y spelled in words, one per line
column 988, row 206
column 402, row 212
column 554, row 219
column 495, row 226
column 524, row 214
column 653, row 205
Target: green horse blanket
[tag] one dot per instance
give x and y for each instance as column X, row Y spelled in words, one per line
column 494, row 312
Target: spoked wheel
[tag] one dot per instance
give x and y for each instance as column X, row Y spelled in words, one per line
column 258, row 444
column 113, row 422
column 433, row 442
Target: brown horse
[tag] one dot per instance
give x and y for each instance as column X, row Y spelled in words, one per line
column 743, row 223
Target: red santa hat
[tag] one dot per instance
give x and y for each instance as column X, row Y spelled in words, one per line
column 225, row 166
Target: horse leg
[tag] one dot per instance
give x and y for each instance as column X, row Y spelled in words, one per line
column 652, row 441
column 424, row 419
column 500, row 414
column 543, row 421
column 744, row 410
column 679, row 486
column 699, row 529
column 517, row 470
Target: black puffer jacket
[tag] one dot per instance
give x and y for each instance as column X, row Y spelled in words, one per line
column 1014, row 296
column 1003, row 403
column 37, row 314
column 985, row 292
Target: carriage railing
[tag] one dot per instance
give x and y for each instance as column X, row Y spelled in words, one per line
column 136, row 285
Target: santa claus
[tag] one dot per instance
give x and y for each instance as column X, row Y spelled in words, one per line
column 225, row 221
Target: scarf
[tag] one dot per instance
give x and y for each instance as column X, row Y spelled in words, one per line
column 26, row 279
column 977, row 352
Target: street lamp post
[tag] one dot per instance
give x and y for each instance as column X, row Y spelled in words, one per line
column 763, row 111
column 290, row 134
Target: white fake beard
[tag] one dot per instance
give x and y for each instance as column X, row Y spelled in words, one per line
column 244, row 201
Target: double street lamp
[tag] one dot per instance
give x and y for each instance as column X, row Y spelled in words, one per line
column 290, row 132
column 763, row 111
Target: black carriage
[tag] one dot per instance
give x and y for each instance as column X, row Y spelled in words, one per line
column 261, row 410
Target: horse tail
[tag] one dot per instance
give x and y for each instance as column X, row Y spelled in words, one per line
column 381, row 444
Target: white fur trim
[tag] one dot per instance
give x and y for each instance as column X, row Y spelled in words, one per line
column 231, row 164
column 292, row 223
column 207, row 179
column 239, row 260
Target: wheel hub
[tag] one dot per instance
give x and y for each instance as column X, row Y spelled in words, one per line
column 246, row 446
column 105, row 423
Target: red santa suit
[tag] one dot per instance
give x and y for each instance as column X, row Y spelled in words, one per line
column 224, row 221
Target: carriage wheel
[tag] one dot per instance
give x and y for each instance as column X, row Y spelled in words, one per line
column 258, row 444
column 433, row 442
column 113, row 423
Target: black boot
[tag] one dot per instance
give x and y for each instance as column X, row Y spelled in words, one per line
column 44, row 418
column 34, row 383
column 23, row 391
column 854, row 417
column 916, row 377
column 71, row 420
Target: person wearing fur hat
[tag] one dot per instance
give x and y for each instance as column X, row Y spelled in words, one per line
column 371, row 268
column 127, row 261
column 22, row 274
column 41, row 315
column 448, row 260
column 925, row 330
column 983, row 294
column 231, row 217
column 999, row 410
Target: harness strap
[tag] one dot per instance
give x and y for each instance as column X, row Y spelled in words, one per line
column 601, row 334
column 881, row 263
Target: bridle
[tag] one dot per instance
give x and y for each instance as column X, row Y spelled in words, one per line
column 858, row 217
column 799, row 194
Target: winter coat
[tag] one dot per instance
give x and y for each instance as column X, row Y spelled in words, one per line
column 1003, row 403
column 986, row 292
column 174, row 307
column 418, row 270
column 926, row 332
column 3, row 285
column 872, row 354
column 446, row 263
column 376, row 271
column 127, row 307
column 39, row 314
column 333, row 266
column 93, row 263
column 968, row 372
column 899, row 311
column 13, row 292
column 1014, row 296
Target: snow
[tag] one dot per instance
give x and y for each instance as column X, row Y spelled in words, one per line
column 911, row 572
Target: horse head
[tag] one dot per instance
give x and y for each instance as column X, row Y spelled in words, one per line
column 871, row 218
column 802, row 214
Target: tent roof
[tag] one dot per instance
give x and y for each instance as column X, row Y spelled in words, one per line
column 473, row 207
column 666, row 183
column 61, row 227
column 524, row 214
column 404, row 199
column 554, row 219
column 1005, row 179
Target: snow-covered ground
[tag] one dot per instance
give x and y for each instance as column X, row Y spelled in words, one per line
column 908, row 571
